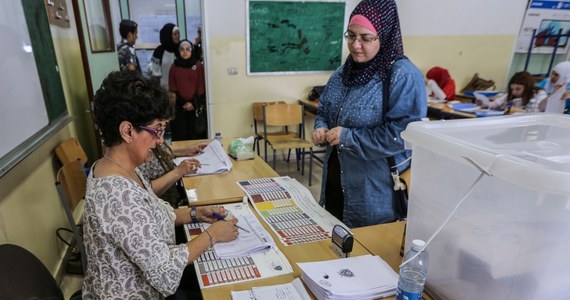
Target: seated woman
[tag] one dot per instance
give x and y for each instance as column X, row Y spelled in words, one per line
column 559, row 78
column 165, row 175
column 521, row 92
column 128, row 230
column 439, row 84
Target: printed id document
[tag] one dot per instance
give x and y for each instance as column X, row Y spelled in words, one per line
column 214, row 160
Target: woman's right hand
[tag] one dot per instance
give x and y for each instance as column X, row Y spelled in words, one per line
column 224, row 231
column 188, row 166
column 319, row 136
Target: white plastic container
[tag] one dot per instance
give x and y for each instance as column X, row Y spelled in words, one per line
column 510, row 239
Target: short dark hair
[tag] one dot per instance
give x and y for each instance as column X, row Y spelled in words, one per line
column 127, row 26
column 128, row 96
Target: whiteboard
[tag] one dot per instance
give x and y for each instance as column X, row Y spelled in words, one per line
column 22, row 108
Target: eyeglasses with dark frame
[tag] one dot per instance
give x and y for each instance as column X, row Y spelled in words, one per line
column 366, row 39
column 156, row 132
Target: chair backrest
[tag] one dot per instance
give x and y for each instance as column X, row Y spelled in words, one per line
column 283, row 114
column 257, row 108
column 70, row 151
column 24, row 276
column 73, row 182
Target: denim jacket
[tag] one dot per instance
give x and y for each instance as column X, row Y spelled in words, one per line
column 366, row 141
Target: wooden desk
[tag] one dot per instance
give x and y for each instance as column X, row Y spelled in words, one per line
column 440, row 111
column 310, row 252
column 383, row 240
column 222, row 188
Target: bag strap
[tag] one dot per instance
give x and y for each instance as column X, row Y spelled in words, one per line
column 398, row 185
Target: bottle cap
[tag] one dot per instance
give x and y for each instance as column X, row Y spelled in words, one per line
column 418, row 245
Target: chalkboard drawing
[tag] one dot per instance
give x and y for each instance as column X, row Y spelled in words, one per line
column 287, row 36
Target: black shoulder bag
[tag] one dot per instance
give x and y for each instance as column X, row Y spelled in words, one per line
column 400, row 194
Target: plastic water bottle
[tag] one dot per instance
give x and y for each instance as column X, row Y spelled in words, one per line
column 218, row 138
column 413, row 274
column 532, row 106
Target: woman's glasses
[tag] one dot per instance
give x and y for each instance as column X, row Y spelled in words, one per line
column 366, row 39
column 156, row 132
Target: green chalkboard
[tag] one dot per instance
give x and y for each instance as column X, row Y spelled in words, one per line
column 46, row 61
column 289, row 36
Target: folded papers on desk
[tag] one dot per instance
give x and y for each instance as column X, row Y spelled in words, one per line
column 288, row 291
column 359, row 277
column 214, row 160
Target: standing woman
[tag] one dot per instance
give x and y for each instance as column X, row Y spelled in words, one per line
column 165, row 54
column 186, row 80
column 128, row 230
column 357, row 185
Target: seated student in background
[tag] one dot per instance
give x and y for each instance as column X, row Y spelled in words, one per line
column 521, row 91
column 164, row 174
column 559, row 78
column 439, row 84
column 128, row 230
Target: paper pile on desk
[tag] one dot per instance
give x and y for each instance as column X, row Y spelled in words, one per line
column 214, row 160
column 359, row 277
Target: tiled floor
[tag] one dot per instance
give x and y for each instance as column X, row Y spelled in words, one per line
column 71, row 283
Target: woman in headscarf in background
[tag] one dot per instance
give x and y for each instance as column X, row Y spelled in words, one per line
column 439, row 84
column 559, row 79
column 165, row 54
column 186, row 80
column 357, row 186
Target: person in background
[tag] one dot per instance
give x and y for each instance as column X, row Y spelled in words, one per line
column 129, row 231
column 439, row 84
column 165, row 54
column 559, row 78
column 165, row 175
column 357, row 186
column 186, row 80
column 128, row 59
column 197, row 50
column 521, row 92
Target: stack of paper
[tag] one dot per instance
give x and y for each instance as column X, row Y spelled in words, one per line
column 214, row 160
column 360, row 277
column 255, row 239
column 288, row 291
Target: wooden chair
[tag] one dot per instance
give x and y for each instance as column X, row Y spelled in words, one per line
column 280, row 115
column 282, row 132
column 71, row 185
column 70, row 151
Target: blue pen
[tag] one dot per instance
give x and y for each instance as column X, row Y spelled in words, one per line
column 223, row 218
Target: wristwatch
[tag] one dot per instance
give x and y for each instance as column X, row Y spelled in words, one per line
column 193, row 214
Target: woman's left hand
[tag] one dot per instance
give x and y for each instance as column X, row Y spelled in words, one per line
column 205, row 213
column 333, row 135
column 197, row 149
column 188, row 106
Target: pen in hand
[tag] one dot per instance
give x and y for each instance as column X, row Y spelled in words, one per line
column 223, row 218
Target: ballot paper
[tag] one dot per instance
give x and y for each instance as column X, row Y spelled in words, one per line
column 288, row 291
column 252, row 238
column 359, row 277
column 214, row 160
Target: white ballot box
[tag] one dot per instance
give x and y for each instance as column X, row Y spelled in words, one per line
column 510, row 237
